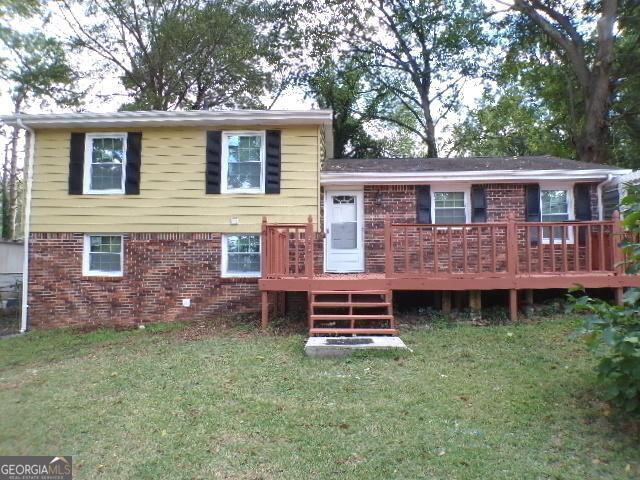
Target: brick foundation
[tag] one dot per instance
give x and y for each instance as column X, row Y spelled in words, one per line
column 159, row 271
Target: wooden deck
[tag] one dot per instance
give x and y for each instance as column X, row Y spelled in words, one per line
column 482, row 256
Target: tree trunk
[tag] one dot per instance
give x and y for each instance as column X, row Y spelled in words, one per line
column 430, row 131
column 13, row 175
column 5, row 191
column 429, row 126
column 596, row 82
column 13, row 184
column 593, row 144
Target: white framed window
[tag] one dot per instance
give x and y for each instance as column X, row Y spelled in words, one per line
column 450, row 205
column 105, row 163
column 556, row 205
column 103, row 255
column 241, row 255
column 243, row 162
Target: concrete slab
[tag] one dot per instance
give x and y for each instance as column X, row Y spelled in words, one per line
column 332, row 347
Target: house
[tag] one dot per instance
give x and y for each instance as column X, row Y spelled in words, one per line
column 136, row 217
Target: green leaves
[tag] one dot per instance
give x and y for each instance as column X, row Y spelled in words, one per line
column 612, row 332
column 183, row 54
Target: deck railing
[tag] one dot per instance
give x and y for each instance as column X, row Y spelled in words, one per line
column 479, row 249
column 288, row 249
column 434, row 250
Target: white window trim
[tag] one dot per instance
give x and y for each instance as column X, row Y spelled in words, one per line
column 224, row 188
column 86, row 251
column 466, row 189
column 88, row 148
column 570, row 207
column 225, row 259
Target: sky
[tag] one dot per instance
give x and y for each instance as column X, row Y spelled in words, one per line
column 106, row 94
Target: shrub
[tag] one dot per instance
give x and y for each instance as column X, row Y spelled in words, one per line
column 612, row 332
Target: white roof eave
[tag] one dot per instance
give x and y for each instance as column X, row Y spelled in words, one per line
column 484, row 176
column 167, row 119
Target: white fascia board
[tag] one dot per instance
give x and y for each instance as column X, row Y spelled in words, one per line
column 166, row 119
column 486, row 176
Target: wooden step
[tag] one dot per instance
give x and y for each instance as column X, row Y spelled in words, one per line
column 346, row 292
column 355, row 302
column 351, row 304
column 346, row 316
column 354, row 331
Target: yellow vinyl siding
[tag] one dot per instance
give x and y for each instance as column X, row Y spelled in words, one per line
column 172, row 187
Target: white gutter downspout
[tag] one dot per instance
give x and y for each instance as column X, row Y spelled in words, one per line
column 599, row 190
column 27, row 224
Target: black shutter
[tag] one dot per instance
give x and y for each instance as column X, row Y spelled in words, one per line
column 532, row 193
column 423, row 204
column 478, row 204
column 76, row 163
column 610, row 201
column 273, row 160
column 582, row 199
column 532, row 209
column 214, row 161
column 134, row 159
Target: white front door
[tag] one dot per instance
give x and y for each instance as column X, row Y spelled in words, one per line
column 343, row 221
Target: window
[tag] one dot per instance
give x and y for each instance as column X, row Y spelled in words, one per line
column 555, row 207
column 103, row 255
column 105, row 163
column 450, row 207
column 243, row 156
column 241, row 255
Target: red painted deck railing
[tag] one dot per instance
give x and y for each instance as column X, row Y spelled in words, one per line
column 477, row 249
column 287, row 251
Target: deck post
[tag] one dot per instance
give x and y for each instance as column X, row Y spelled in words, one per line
column 616, row 238
column 475, row 304
column 528, row 301
column 388, row 247
column 308, row 238
column 513, row 305
column 619, row 296
column 445, row 302
column 512, row 245
column 264, row 321
column 282, row 303
column 265, row 246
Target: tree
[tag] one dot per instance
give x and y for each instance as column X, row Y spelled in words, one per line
column 36, row 68
column 422, row 53
column 625, row 116
column 590, row 58
column 510, row 123
column 180, row 54
column 340, row 87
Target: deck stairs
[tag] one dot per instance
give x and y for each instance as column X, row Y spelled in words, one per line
column 351, row 312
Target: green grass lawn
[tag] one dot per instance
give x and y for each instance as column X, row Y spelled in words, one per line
column 506, row 402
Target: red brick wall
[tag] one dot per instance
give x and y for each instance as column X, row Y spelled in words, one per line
column 159, row 271
column 397, row 201
column 505, row 198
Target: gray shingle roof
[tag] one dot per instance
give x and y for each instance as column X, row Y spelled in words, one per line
column 456, row 164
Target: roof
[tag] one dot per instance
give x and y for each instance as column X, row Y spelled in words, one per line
column 457, row 164
column 155, row 118
column 462, row 169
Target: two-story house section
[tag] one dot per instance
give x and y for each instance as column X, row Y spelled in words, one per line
column 135, row 217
